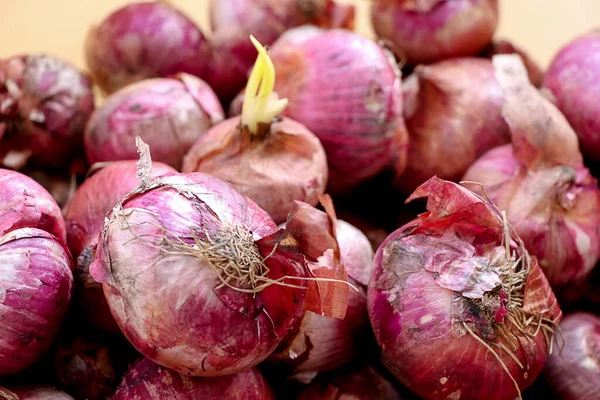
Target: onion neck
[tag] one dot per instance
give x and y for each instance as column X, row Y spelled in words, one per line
column 261, row 103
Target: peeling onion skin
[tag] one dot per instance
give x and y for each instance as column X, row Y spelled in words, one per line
column 433, row 30
column 416, row 313
column 453, row 115
column 572, row 78
column 6, row 394
column 575, row 375
column 36, row 291
column 169, row 114
column 535, row 72
column 40, row 392
column 46, row 104
column 147, row 380
column 145, row 40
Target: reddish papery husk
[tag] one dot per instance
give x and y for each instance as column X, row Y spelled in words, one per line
column 453, row 115
column 458, row 307
column 572, row 78
column 45, row 103
column 284, row 162
column 6, row 394
column 145, row 40
column 574, row 374
column 169, row 114
column 36, row 288
column 549, row 197
column 534, row 71
column 40, row 392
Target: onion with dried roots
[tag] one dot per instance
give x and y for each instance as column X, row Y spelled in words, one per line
column 458, row 307
column 549, row 196
column 274, row 161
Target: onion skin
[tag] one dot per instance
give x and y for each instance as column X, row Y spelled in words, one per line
column 35, row 295
column 60, row 185
column 145, row 40
column 575, row 373
column 421, row 275
column 147, row 380
column 6, row 394
column 453, row 115
column 288, row 163
column 535, row 72
column 40, row 392
column 433, row 30
column 46, row 104
column 572, row 78
column 169, row 114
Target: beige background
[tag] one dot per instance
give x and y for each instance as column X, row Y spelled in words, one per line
column 59, row 26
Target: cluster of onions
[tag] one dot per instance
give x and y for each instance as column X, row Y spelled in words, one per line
column 572, row 78
column 550, row 198
column 46, row 103
column 453, row 115
column 170, row 114
column 457, row 305
column 535, row 72
column 272, row 160
column 34, row 392
column 424, row 31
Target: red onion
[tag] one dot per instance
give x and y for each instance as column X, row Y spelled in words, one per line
column 147, row 380
column 534, row 71
column 272, row 161
column 572, row 78
column 170, row 114
column 425, row 31
column 549, row 196
column 458, row 307
column 452, row 111
column 40, row 392
column 145, row 40
column 24, row 203
column 45, row 103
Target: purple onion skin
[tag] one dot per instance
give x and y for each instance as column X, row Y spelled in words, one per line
column 574, row 374
column 40, row 392
column 145, row 40
column 433, row 30
column 36, row 290
column 46, row 104
column 573, row 79
column 169, row 114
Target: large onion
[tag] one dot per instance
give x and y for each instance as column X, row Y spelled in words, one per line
column 458, row 307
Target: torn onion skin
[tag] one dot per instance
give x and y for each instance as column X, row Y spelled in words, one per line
column 433, row 30
column 443, row 290
column 535, row 72
column 40, row 392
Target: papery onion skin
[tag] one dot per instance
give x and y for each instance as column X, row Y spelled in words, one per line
column 46, row 104
column 432, row 30
column 288, row 163
column 147, row 380
column 572, row 78
column 59, row 184
column 6, row 394
column 415, row 295
column 453, row 115
column 535, row 72
column 40, row 392
column 145, row 40
column 169, row 114
column 574, row 374
column 36, row 290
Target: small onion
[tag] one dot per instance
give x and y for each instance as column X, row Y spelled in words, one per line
column 46, row 103
column 458, row 307
column 147, row 380
column 453, row 115
column 40, row 392
column 534, row 71
column 425, row 31
column 169, row 114
column 145, row 40
column 549, row 197
column 572, row 78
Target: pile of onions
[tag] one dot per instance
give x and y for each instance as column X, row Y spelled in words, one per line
column 145, row 40
column 346, row 90
column 46, row 103
column 572, row 78
column 319, row 343
column 147, row 380
column 169, row 114
column 574, row 374
column 425, row 31
column 37, row 392
column 550, row 198
column 84, row 219
column 457, row 305
column 274, row 161
column 452, row 111
column 534, row 71
column 231, row 286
